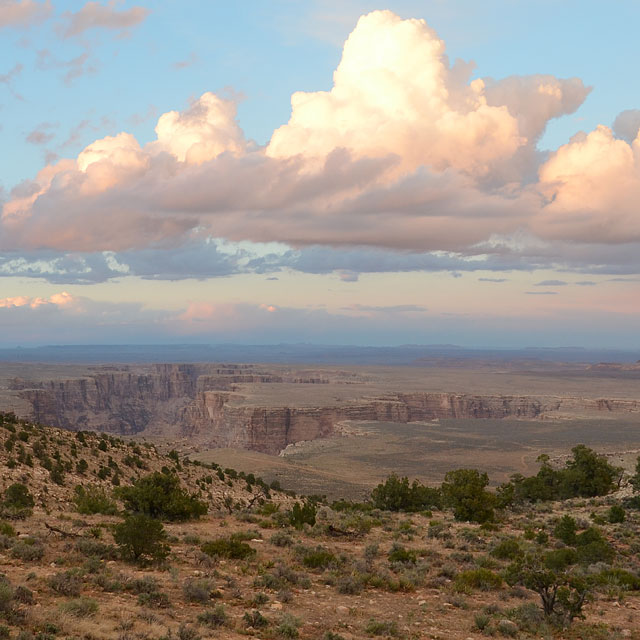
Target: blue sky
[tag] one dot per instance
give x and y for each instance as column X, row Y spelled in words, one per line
column 72, row 73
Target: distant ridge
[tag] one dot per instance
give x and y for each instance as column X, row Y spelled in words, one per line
column 417, row 355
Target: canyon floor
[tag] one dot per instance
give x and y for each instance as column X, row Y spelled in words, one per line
column 351, row 464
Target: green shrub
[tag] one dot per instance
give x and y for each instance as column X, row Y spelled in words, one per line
column 401, row 555
column 376, row 628
column 593, row 547
column 301, row 514
column 80, row 607
column 288, row 626
column 529, row 619
column 396, row 494
column 146, row 584
column 350, row 584
column 197, row 590
column 213, row 618
column 562, row 592
column 140, row 537
column 185, row 632
column 23, row 594
column 93, row 499
column 18, row 502
column 155, row 599
column 464, row 490
column 616, row 514
column 560, row 559
column 482, row 579
column 228, row 548
column 93, row 548
column 281, row 539
column 28, row 550
column 318, row 559
column 68, row 583
column 56, row 473
column 619, row 578
column 507, row 549
column 6, row 595
column 160, row 496
column 566, row 530
column 586, row 475
column 255, row 619
column 481, row 621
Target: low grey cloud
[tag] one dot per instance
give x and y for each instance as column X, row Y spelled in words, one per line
column 627, row 124
column 586, row 283
column 624, row 280
column 541, row 293
column 550, row 283
column 203, row 257
column 398, row 308
column 198, row 260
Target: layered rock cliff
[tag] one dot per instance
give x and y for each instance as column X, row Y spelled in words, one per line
column 206, row 404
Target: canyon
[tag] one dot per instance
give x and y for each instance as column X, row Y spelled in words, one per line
column 266, row 408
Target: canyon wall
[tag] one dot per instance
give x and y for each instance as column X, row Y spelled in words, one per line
column 205, row 404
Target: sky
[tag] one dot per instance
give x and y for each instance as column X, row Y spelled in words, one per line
column 332, row 172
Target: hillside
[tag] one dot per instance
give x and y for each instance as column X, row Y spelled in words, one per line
column 256, row 565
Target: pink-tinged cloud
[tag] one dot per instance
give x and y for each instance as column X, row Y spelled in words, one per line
column 62, row 299
column 404, row 152
column 94, row 15
column 593, row 187
column 394, row 93
column 23, row 13
column 200, row 133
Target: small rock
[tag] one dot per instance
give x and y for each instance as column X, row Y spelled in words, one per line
column 422, row 602
column 507, row 627
column 341, row 609
column 276, row 606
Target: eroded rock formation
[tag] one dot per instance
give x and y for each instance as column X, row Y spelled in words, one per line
column 207, row 404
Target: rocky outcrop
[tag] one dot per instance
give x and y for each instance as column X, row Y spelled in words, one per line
column 270, row 429
column 201, row 402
